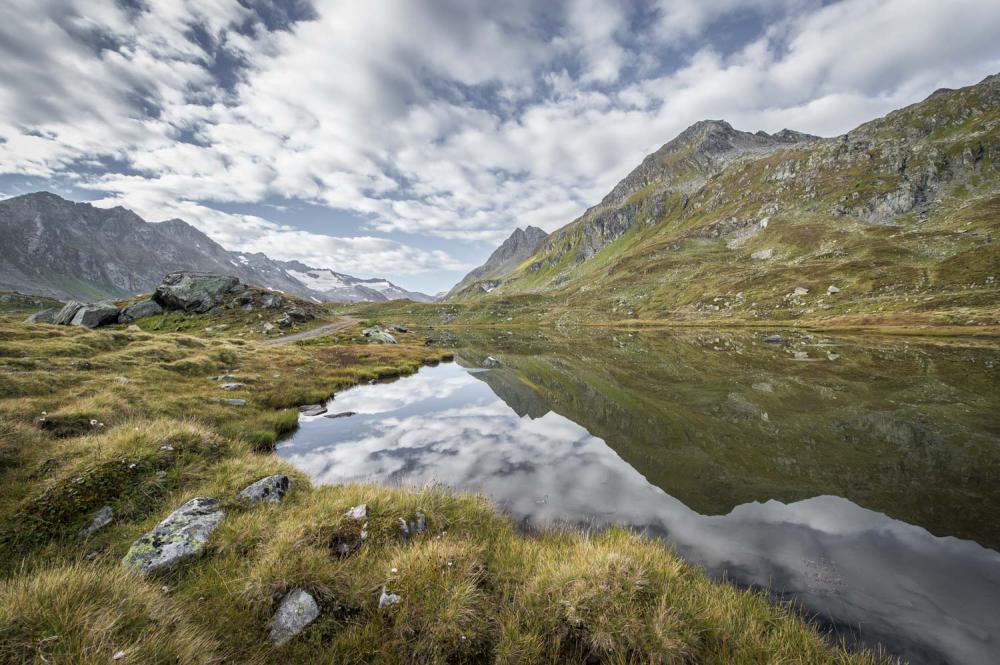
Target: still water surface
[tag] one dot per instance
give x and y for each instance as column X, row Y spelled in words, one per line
column 856, row 477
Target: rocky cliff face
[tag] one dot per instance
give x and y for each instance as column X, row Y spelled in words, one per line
column 62, row 249
column 725, row 221
column 516, row 248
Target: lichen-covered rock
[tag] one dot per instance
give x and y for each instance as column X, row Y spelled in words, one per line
column 271, row 489
column 182, row 535
column 194, row 291
column 66, row 314
column 96, row 315
column 297, row 610
column 139, row 310
column 44, row 316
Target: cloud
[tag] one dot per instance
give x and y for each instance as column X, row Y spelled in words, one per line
column 439, row 121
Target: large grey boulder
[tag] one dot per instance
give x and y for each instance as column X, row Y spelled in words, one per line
column 140, row 310
column 44, row 316
column 194, row 291
column 271, row 489
column 182, row 535
column 96, row 315
column 297, row 610
column 376, row 334
column 66, row 314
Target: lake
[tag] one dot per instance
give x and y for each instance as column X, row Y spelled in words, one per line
column 858, row 477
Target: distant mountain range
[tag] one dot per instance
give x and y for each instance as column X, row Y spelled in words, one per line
column 63, row 249
column 900, row 214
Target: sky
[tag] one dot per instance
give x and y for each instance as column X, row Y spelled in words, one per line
column 407, row 138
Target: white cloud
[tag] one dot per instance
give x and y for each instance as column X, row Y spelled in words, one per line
column 451, row 120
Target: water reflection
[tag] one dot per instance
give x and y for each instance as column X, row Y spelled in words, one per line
column 500, row 431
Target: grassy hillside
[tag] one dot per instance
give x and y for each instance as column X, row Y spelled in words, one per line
column 901, row 216
column 133, row 420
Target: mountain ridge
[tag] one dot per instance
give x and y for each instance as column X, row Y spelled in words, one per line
column 66, row 249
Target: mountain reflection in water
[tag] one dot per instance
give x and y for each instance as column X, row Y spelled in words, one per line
column 704, row 421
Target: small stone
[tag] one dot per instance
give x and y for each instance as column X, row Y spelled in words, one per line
column 773, row 339
column 358, row 512
column 235, row 402
column 102, row 518
column 312, row 409
column 800, row 290
column 297, row 610
column 832, row 289
column 386, row 599
column 271, row 489
column 491, row 362
column 118, row 655
column 232, row 386
column 123, row 380
column 133, row 328
column 762, row 255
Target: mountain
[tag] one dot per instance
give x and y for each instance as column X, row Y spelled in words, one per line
column 898, row 214
column 515, row 249
column 62, row 249
column 338, row 287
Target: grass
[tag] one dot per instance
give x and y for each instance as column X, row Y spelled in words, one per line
column 135, row 420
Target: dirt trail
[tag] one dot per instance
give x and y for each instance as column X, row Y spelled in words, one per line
column 326, row 329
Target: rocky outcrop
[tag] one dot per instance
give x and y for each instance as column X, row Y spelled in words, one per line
column 140, row 310
column 179, row 537
column 271, row 490
column 95, row 315
column 195, row 291
column 65, row 315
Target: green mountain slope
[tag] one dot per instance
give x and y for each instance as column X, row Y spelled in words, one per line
column 899, row 216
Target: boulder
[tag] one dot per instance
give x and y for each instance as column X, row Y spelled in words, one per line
column 96, row 315
column 139, row 310
column 382, row 337
column 297, row 610
column 181, row 536
column 298, row 315
column 194, row 291
column 271, row 489
column 66, row 314
column 44, row 316
column 763, row 255
column 271, row 301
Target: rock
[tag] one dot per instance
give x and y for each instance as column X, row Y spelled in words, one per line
column 139, row 310
column 122, row 380
column 268, row 328
column 134, row 328
column 298, row 315
column 181, row 536
column 386, row 599
column 235, row 402
column 358, row 512
column 382, row 337
column 94, row 316
column 232, row 386
column 271, row 489
column 491, row 362
column 194, row 291
column 312, row 409
column 832, row 289
column 342, row 414
column 763, row 387
column 413, row 527
column 395, row 327
column 66, row 314
column 102, row 518
column 800, row 290
column 44, row 316
column 763, row 255
column 773, row 339
column 284, row 322
column 297, row 610
column 271, row 301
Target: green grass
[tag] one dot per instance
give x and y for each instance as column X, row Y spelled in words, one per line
column 473, row 589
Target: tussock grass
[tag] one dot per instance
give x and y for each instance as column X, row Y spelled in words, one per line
column 472, row 589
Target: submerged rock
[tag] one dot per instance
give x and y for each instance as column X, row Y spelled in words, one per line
column 342, row 414
column 139, row 310
column 297, row 610
column 312, row 409
column 182, row 535
column 271, row 489
column 102, row 518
